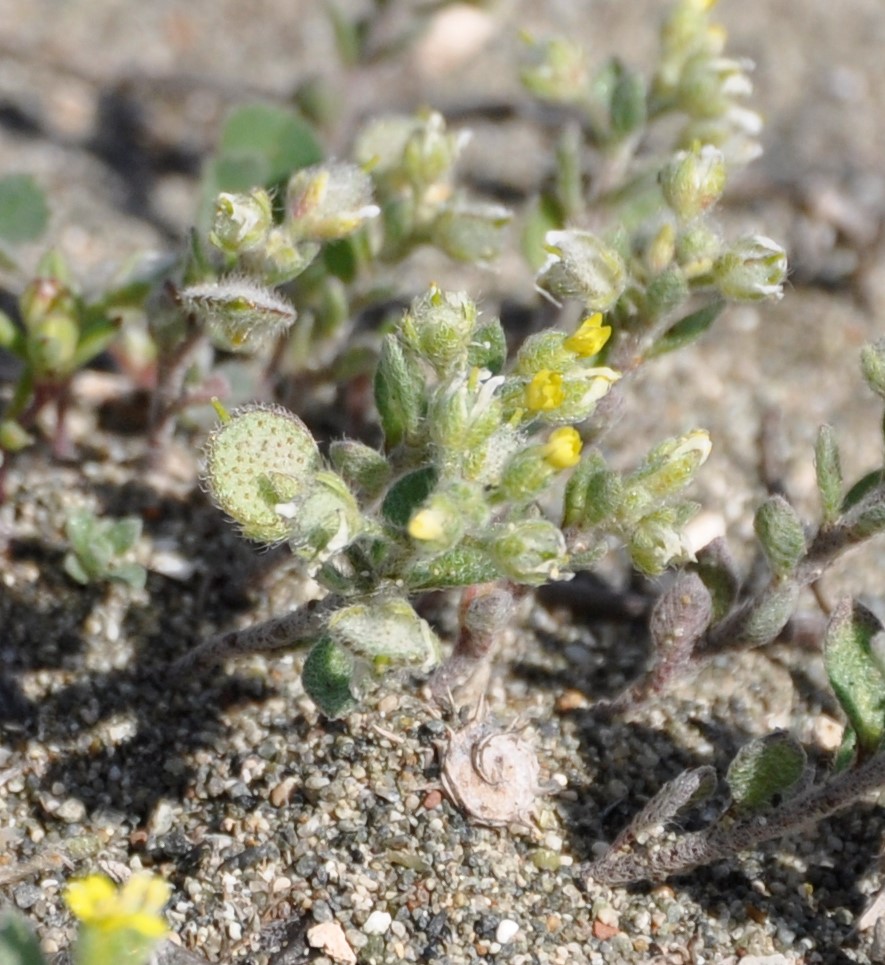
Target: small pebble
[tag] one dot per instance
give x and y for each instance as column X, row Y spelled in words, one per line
column 377, row 923
column 506, row 931
column 72, row 810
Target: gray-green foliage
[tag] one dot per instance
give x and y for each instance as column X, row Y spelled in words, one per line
column 101, row 549
column 475, row 444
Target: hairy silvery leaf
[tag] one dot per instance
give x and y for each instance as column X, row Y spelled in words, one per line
column 488, row 347
column 407, row 494
column 765, row 770
column 854, row 673
column 461, row 566
column 716, row 567
column 261, row 458
column 362, row 467
column 593, row 492
column 399, row 391
column 384, row 630
column 760, row 621
column 781, row 534
column 679, row 618
column 328, row 678
column 829, row 473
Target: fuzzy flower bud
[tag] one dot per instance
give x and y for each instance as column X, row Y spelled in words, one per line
column 323, row 520
column 242, row 221
column 329, row 201
column 693, row 181
column 441, row 522
column 559, row 72
column 752, row 269
column 240, row 314
column 471, row 232
column 531, row 551
column 580, row 265
column 430, row 151
column 439, row 327
column 590, row 337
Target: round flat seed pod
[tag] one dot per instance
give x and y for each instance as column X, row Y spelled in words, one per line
column 262, row 457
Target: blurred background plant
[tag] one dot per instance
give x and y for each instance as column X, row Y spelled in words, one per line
column 117, row 925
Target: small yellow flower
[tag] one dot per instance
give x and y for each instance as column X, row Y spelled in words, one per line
column 427, row 525
column 563, row 448
column 590, row 337
column 136, row 907
column 545, row 391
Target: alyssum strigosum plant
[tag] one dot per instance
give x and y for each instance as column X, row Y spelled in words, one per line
column 492, row 474
column 487, row 478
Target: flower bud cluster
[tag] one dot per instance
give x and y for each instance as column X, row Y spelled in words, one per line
column 59, row 333
column 696, row 79
column 642, row 508
column 412, row 162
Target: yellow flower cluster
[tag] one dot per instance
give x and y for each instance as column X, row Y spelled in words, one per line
column 136, row 907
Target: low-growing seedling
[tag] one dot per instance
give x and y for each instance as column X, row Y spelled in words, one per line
column 100, row 549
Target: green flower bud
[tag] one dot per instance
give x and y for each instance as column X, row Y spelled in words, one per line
column 52, row 345
column 697, row 247
column 559, row 72
column 530, row 551
column 662, row 250
column 659, row 541
column 430, row 152
column 329, row 201
column 471, row 232
column 544, row 350
column 240, row 314
column 667, row 470
column 439, row 327
column 526, row 475
column 242, row 221
column 709, row 85
column 580, row 265
column 380, row 144
column 281, row 259
column 666, row 293
column 593, row 492
column 260, row 458
column 44, row 296
column 693, row 181
column 753, row 269
column 13, row 437
column 443, row 519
